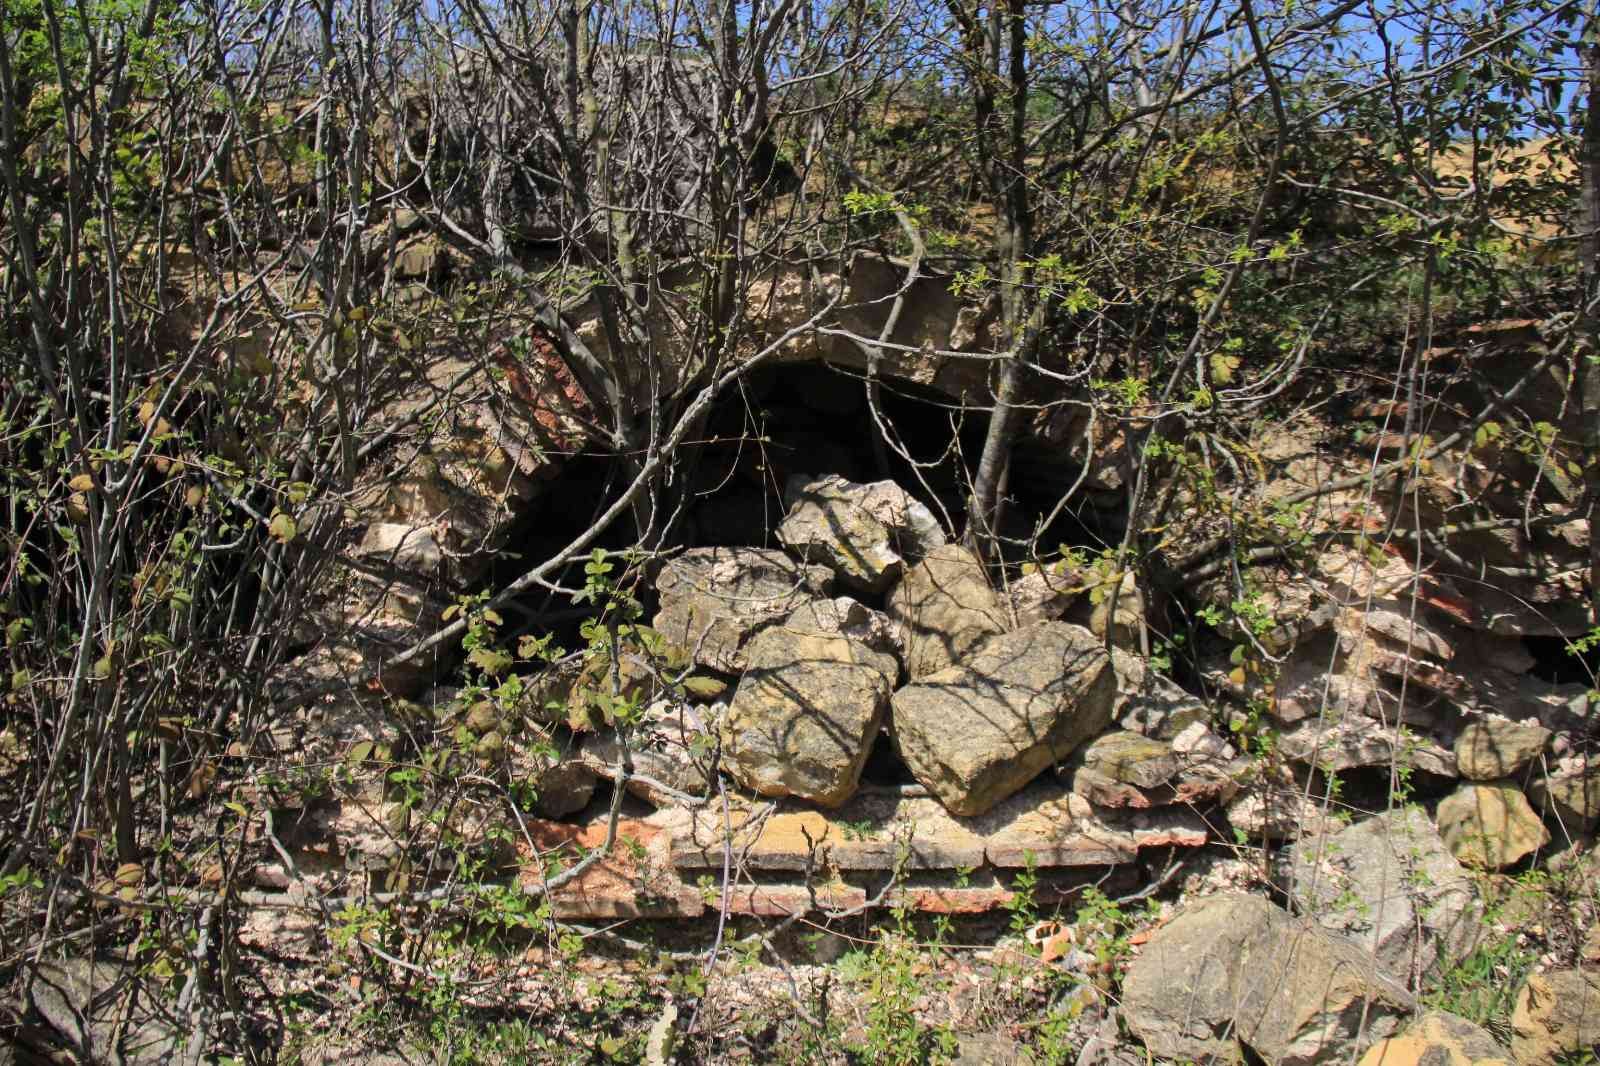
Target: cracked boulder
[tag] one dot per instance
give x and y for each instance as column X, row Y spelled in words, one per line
column 1557, row 1013
column 805, row 714
column 713, row 600
column 863, row 533
column 974, row 734
column 946, row 609
column 1233, row 972
column 1389, row 884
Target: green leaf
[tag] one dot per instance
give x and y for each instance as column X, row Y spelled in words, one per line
column 491, row 661
column 282, row 528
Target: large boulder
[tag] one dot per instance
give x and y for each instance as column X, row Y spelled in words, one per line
column 977, row 732
column 713, row 600
column 805, row 715
column 1494, row 747
column 945, row 609
column 1557, row 1013
column 863, row 533
column 1234, row 972
column 1490, row 825
column 1438, row 1039
column 1389, row 884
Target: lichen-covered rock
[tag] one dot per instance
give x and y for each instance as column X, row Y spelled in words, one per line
column 851, row 528
column 1490, row 825
column 945, row 609
column 1233, row 972
column 713, row 600
column 1125, row 769
column 977, row 732
column 1557, row 1013
column 1492, row 748
column 1438, row 1039
column 1569, row 793
column 805, row 714
column 1389, row 884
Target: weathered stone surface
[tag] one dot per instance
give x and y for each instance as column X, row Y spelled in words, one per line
column 1044, row 594
column 1131, row 759
column 1275, row 806
column 1124, row 769
column 1492, row 748
column 805, row 715
column 1490, row 825
column 1438, row 1039
column 564, row 787
column 713, row 600
column 1557, row 1013
column 1346, row 743
column 1312, row 683
column 102, row 1008
column 946, row 609
column 912, row 527
column 1390, row 885
column 1569, row 793
column 828, row 524
column 845, row 617
column 975, row 733
column 402, row 545
column 1122, row 613
column 672, row 747
column 1235, row 970
column 1151, row 704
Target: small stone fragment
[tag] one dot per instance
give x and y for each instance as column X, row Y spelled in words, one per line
column 1438, row 1039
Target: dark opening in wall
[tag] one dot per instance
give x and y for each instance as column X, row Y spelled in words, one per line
column 885, row 766
column 814, row 418
column 1554, row 662
column 566, row 505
